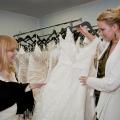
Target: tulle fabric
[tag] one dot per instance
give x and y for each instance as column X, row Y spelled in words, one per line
column 63, row 98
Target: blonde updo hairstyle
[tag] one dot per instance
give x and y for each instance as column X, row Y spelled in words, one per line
column 7, row 43
column 110, row 16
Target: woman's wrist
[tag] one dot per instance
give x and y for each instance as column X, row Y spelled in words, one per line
column 86, row 33
column 90, row 36
column 36, row 85
column 28, row 88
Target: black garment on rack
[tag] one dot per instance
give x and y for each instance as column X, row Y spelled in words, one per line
column 63, row 32
column 101, row 70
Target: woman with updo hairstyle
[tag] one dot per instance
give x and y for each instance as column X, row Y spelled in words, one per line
column 107, row 80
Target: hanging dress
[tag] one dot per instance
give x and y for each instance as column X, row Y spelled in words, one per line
column 63, row 97
column 38, row 66
column 23, row 61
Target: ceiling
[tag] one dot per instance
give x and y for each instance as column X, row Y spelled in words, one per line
column 38, row 8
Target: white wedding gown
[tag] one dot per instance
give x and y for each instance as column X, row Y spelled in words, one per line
column 63, row 97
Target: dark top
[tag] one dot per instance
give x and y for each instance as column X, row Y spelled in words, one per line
column 102, row 63
column 13, row 92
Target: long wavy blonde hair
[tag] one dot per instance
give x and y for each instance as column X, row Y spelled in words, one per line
column 7, row 43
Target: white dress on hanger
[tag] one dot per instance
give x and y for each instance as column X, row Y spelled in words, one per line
column 23, row 61
column 63, row 97
column 38, row 65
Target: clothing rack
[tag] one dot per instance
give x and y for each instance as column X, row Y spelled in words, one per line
column 71, row 23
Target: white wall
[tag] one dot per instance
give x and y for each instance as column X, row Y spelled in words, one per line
column 12, row 23
column 87, row 12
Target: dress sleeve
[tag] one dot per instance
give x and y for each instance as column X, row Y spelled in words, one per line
column 107, row 84
column 13, row 92
column 9, row 93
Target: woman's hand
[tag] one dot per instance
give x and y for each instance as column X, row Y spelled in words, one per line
column 83, row 80
column 81, row 29
column 37, row 85
column 85, row 32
